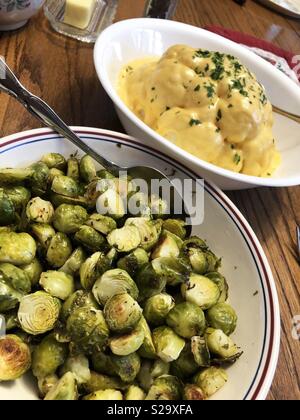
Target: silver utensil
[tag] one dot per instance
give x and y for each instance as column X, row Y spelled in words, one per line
column 287, row 114
column 42, row 111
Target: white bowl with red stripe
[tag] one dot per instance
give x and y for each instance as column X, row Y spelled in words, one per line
column 252, row 288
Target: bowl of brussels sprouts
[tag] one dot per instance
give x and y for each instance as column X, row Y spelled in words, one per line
column 122, row 306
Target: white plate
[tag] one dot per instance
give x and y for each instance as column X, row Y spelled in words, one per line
column 132, row 39
column 287, row 7
column 252, row 287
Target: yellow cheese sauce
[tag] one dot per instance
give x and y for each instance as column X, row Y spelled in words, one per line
column 208, row 104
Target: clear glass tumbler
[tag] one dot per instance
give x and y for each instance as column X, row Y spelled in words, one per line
column 160, row 9
column 103, row 16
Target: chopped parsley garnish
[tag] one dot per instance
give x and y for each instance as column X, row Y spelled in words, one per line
column 219, row 115
column 168, row 108
column 206, row 68
column 238, row 85
column 230, row 106
column 203, row 53
column 237, row 159
column 210, row 90
column 153, row 88
column 197, row 88
column 194, row 122
column 218, row 130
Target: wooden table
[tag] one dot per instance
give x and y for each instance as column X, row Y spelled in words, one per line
column 61, row 71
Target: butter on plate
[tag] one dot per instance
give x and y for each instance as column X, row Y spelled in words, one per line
column 79, row 13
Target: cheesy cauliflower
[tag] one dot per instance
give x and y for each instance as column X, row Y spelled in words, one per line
column 208, row 104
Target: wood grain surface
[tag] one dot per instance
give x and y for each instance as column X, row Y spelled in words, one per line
column 61, row 71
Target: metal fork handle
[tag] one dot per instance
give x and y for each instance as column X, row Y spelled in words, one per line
column 42, row 111
column 287, row 114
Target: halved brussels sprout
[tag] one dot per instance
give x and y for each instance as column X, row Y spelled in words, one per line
column 175, row 226
column 102, row 363
column 222, row 317
column 159, row 207
column 79, row 366
column 66, row 186
column 122, row 313
column 79, row 299
column 73, row 168
column 185, row 366
column 187, row 320
column 33, row 271
column 7, row 210
column 114, row 282
column 17, row 248
column 147, row 350
column 90, row 238
column 124, row 345
column 54, row 160
column 168, row 345
column 138, row 204
column 59, row 250
column 102, row 224
column 38, row 313
column 107, row 395
column 39, row 179
column 57, row 284
column 46, row 384
column 111, row 204
column 222, row 284
column 134, row 261
column 15, row 277
column 127, row 367
column 149, row 282
column 39, row 211
column 166, row 387
column 74, row 263
column 135, row 393
column 200, row 351
column 157, row 308
column 193, row 393
column 88, row 271
column 11, row 320
column 211, row 380
column 201, row 291
column 68, row 218
column 147, row 231
column 19, row 196
column 98, row 382
column 43, row 233
column 15, row 176
column 88, row 329
column 15, row 358
column 87, row 169
column 48, row 356
column 58, row 200
column 150, row 371
column 104, row 174
column 125, row 239
column 166, row 247
column 202, row 259
column 221, row 345
column 9, row 297
column 54, row 173
column 64, row 390
column 175, row 271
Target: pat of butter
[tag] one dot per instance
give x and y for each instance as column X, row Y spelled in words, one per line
column 79, row 13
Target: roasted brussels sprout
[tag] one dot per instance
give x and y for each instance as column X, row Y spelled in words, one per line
column 53, row 173
column 211, row 380
column 39, row 211
column 175, row 271
column 88, row 271
column 222, row 317
column 48, row 356
column 79, row 299
column 187, row 320
column 90, row 238
column 122, row 313
column 43, row 233
column 102, row 224
column 17, row 248
column 9, row 297
column 114, row 282
column 88, row 329
column 168, row 345
column 33, row 271
column 11, row 320
column 149, row 282
column 202, row 259
column 221, row 345
column 157, row 308
column 68, row 219
column 147, row 350
column 127, row 367
column 46, row 384
column 193, row 393
column 15, row 277
column 39, row 180
column 19, row 196
column 150, row 371
column 185, row 366
column 57, row 284
column 66, row 186
column 166, row 387
column 38, row 313
column 166, row 247
column 87, row 169
column 147, row 231
column 64, row 390
column 99, row 382
column 134, row 261
column 59, row 250
column 107, row 395
column 124, row 345
column 175, row 226
column 59, row 200
column 73, row 168
column 54, row 160
column 200, row 351
column 201, row 291
column 222, row 284
column 134, row 393
column 15, row 176
column 7, row 210
column 15, row 358
column 102, row 363
column 79, row 366
column 125, row 239
column 111, row 204
column 74, row 263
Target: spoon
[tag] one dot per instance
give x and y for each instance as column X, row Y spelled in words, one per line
column 42, row 111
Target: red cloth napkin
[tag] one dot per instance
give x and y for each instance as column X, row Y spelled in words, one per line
column 253, row 42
